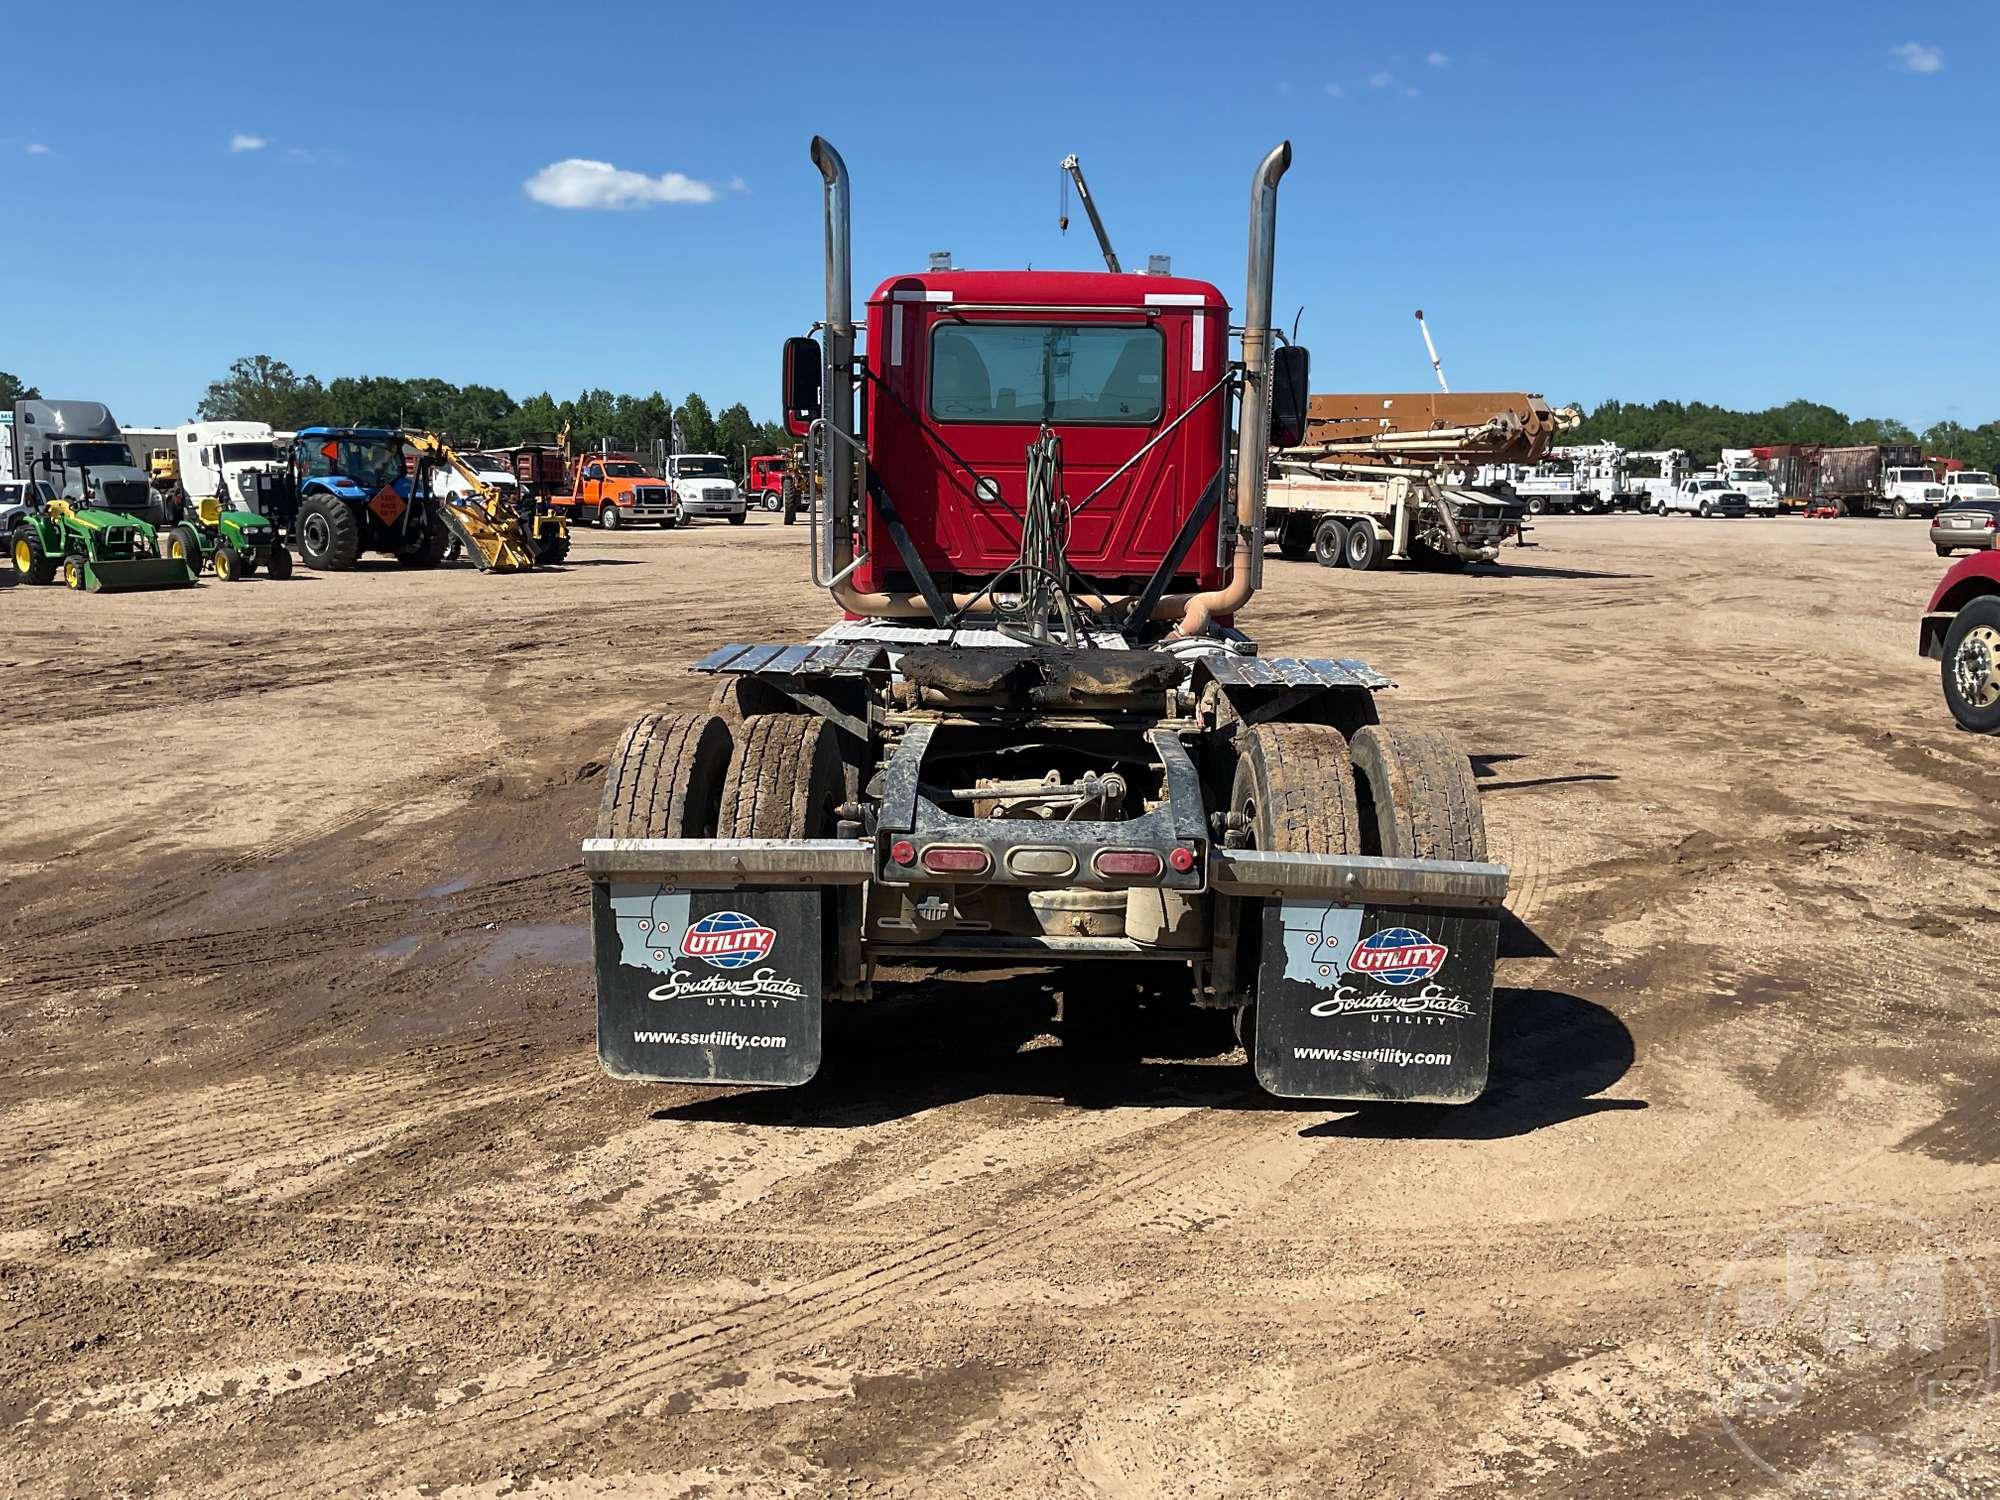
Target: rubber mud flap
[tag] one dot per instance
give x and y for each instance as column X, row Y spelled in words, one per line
column 1375, row 1003
column 707, row 986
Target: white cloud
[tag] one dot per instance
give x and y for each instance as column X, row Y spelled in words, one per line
column 1410, row 93
column 1918, row 58
column 577, row 183
column 1381, row 80
column 1336, row 91
column 36, row 148
column 242, row 142
column 1438, row 59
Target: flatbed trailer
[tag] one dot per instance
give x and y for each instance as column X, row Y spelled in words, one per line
column 1358, row 518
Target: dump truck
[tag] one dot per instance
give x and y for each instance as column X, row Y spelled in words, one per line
column 76, row 446
column 356, row 494
column 1876, row 479
column 1035, row 732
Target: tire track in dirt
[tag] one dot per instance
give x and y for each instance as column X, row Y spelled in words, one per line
column 590, row 1392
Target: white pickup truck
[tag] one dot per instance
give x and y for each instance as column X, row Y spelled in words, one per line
column 1704, row 495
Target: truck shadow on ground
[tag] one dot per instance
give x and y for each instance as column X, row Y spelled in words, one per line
column 1504, row 569
column 923, row 1045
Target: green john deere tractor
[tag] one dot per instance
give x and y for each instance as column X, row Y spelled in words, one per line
column 237, row 542
column 100, row 550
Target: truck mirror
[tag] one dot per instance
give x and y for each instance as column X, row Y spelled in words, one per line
column 802, row 384
column 1290, row 369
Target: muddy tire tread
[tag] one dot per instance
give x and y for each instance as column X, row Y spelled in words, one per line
column 665, row 778
column 783, row 778
column 1425, row 802
column 1302, row 779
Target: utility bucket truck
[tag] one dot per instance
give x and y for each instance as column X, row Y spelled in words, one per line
column 1036, row 734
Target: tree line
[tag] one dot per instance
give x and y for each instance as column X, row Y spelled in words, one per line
column 1704, row 430
column 259, row 388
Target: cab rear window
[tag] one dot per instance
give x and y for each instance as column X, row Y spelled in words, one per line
column 1047, row 372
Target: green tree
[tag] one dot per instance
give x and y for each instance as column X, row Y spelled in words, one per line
column 12, row 389
column 734, row 433
column 697, row 425
column 259, row 388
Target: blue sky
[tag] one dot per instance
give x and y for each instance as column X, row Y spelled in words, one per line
column 1741, row 203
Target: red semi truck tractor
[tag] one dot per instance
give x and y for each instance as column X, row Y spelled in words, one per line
column 1034, row 730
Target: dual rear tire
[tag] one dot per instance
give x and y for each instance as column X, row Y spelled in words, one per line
column 697, row 776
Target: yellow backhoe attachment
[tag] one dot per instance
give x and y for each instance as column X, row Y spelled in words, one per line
column 497, row 532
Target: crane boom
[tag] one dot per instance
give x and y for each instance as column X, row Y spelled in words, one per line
column 1075, row 170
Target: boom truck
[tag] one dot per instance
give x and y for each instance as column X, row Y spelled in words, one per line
column 501, row 525
column 1036, row 732
column 1369, row 481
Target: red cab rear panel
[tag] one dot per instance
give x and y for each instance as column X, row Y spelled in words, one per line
column 984, row 357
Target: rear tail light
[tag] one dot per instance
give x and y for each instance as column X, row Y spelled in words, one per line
column 957, row 859
column 1181, row 859
column 1141, row 863
column 903, row 852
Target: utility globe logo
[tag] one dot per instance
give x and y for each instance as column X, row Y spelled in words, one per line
column 1397, row 955
column 729, row 940
column 1851, row 1351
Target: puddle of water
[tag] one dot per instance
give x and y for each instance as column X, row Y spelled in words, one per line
column 445, row 888
column 535, row 942
column 401, row 947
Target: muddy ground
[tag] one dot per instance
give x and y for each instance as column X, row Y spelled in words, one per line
column 309, row 1183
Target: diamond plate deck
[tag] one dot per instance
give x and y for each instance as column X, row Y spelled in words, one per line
column 813, row 659
column 1290, row 672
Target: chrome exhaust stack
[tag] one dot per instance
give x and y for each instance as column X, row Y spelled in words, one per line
column 838, row 385
column 1254, row 413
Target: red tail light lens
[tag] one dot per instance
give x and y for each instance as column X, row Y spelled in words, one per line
column 957, row 859
column 903, row 852
column 1181, row 859
column 1127, row 862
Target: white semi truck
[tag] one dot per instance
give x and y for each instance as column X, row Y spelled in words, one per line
column 243, row 463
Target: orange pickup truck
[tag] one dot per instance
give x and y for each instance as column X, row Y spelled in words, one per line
column 615, row 489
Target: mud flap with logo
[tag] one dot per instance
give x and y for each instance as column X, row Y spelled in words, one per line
column 1372, row 1002
column 707, row 986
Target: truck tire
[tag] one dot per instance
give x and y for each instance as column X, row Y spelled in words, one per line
column 1417, row 794
column 430, row 547
column 785, row 779
column 1971, row 666
column 665, row 779
column 774, row 501
column 1536, row 505
column 1364, row 548
column 737, row 697
column 329, row 536
column 1900, row 508
column 30, row 561
column 1295, row 537
column 608, row 517
column 1330, row 543
column 1294, row 784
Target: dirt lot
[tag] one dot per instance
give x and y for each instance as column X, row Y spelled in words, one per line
column 309, row 1182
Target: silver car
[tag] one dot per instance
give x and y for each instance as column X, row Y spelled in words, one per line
column 1969, row 526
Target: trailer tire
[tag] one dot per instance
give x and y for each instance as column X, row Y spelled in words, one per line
column 1295, row 538
column 1970, row 666
column 1364, row 547
column 665, row 779
column 329, row 536
column 30, row 561
column 786, row 779
column 1295, row 785
column 1417, row 794
column 1330, row 543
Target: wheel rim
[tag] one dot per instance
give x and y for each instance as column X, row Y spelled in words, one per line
column 1977, row 667
column 24, row 556
column 314, row 534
